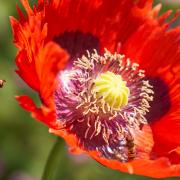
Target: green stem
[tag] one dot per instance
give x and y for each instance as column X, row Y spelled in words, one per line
column 53, row 159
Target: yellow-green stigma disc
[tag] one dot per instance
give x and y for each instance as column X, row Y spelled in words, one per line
column 113, row 89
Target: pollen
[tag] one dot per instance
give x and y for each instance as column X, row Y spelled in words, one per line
column 112, row 89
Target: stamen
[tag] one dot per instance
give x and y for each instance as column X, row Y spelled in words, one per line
column 101, row 100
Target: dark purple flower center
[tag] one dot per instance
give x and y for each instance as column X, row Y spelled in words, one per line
column 90, row 117
column 77, row 43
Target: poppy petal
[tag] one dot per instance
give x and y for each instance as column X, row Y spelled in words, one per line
column 42, row 113
column 158, row 168
column 157, row 50
column 24, row 67
column 150, row 46
column 29, row 39
column 49, row 62
column 101, row 18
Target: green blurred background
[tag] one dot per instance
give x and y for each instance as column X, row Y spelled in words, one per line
column 25, row 143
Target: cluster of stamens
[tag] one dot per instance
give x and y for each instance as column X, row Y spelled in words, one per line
column 100, row 100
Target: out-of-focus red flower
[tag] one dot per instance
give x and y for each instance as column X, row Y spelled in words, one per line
column 61, row 56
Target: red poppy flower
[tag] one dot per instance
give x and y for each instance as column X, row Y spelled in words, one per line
column 82, row 58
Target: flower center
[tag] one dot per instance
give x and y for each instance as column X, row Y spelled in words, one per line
column 112, row 88
column 102, row 100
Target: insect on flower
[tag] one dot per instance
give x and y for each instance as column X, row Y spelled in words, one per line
column 107, row 75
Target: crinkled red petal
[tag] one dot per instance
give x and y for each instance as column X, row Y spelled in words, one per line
column 38, row 62
column 110, row 22
column 26, row 70
column 158, row 168
column 154, row 46
column 50, row 60
column 157, row 50
column 42, row 113
column 29, row 38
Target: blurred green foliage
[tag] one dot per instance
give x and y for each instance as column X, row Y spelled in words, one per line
column 25, row 143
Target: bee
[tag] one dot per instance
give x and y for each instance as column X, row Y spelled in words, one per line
column 126, row 151
column 2, row 83
column 131, row 149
